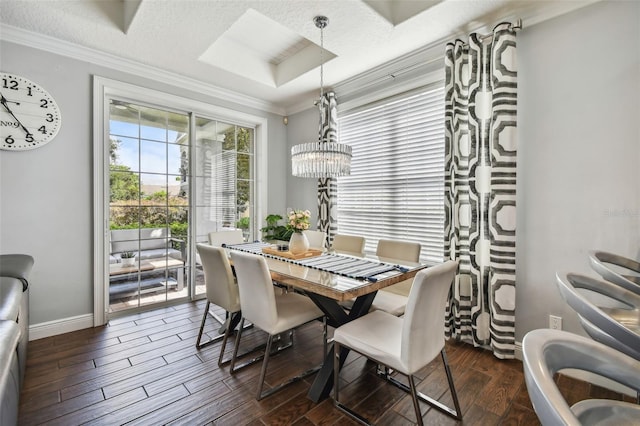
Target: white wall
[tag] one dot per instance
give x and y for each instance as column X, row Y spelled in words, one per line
column 578, row 151
column 46, row 194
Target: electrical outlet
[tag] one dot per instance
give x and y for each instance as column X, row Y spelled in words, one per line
column 555, row 322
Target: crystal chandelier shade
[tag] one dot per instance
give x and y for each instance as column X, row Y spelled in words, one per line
column 322, row 159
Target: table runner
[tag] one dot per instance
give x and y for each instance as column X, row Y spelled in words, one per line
column 346, row 266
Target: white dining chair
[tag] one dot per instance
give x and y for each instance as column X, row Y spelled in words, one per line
column 271, row 312
column 348, row 244
column 393, row 299
column 317, row 239
column 231, row 236
column 221, row 289
column 404, row 344
column 546, row 352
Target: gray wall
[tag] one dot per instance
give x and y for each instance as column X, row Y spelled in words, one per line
column 302, row 192
column 578, row 151
column 46, row 201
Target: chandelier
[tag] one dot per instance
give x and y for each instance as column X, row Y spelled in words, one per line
column 321, row 159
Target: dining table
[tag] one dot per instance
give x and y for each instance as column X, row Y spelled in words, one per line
column 331, row 278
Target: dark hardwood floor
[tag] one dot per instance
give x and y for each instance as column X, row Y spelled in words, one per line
column 144, row 369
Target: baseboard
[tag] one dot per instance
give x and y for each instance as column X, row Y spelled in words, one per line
column 65, row 325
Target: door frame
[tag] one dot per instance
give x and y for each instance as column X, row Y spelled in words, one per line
column 103, row 90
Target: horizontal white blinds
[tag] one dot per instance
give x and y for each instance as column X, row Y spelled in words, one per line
column 396, row 186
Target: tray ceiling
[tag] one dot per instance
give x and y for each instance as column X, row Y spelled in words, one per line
column 266, row 50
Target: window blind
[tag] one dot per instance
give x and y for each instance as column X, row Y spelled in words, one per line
column 396, row 186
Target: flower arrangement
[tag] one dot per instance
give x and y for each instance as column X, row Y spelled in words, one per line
column 298, row 220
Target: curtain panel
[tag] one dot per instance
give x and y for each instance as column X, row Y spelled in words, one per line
column 480, row 188
column 328, row 187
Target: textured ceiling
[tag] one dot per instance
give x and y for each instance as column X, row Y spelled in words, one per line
column 268, row 50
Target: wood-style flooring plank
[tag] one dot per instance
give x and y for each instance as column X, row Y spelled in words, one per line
column 145, row 369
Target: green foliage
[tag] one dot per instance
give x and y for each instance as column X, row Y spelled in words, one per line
column 127, row 255
column 275, row 231
column 243, row 223
column 124, row 183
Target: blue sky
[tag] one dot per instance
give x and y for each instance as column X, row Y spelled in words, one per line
column 149, row 153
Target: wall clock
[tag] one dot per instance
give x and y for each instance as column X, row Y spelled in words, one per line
column 29, row 116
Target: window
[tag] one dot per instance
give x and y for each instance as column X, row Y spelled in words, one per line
column 396, row 186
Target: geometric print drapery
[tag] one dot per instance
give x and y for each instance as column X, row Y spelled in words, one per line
column 328, row 187
column 480, row 188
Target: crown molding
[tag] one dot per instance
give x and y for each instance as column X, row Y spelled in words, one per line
column 50, row 44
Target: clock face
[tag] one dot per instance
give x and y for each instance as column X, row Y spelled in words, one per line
column 29, row 117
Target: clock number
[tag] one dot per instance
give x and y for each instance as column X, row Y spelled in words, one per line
column 49, row 118
column 9, row 84
column 29, row 91
column 9, row 140
column 42, row 130
column 44, row 103
column 29, row 138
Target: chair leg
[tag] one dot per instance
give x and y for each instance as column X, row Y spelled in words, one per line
column 415, row 395
column 324, row 337
column 235, row 349
column 263, row 371
column 452, row 387
column 204, row 319
column 414, row 399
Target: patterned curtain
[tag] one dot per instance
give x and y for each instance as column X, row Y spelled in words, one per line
column 480, row 188
column 327, row 187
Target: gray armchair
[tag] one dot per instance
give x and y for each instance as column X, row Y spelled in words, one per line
column 545, row 352
column 605, row 264
column 609, row 313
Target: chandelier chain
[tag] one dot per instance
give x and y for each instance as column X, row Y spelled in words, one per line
column 321, row 62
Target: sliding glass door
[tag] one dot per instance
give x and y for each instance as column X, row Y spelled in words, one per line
column 223, row 167
column 148, row 205
column 174, row 177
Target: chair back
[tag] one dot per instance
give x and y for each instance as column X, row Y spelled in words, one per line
column 317, row 239
column 402, row 250
column 348, row 243
column 545, row 352
column 600, row 261
column 222, row 289
column 232, row 236
column 257, row 295
column 423, row 327
column 608, row 312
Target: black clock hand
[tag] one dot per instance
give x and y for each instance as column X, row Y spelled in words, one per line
column 3, row 101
